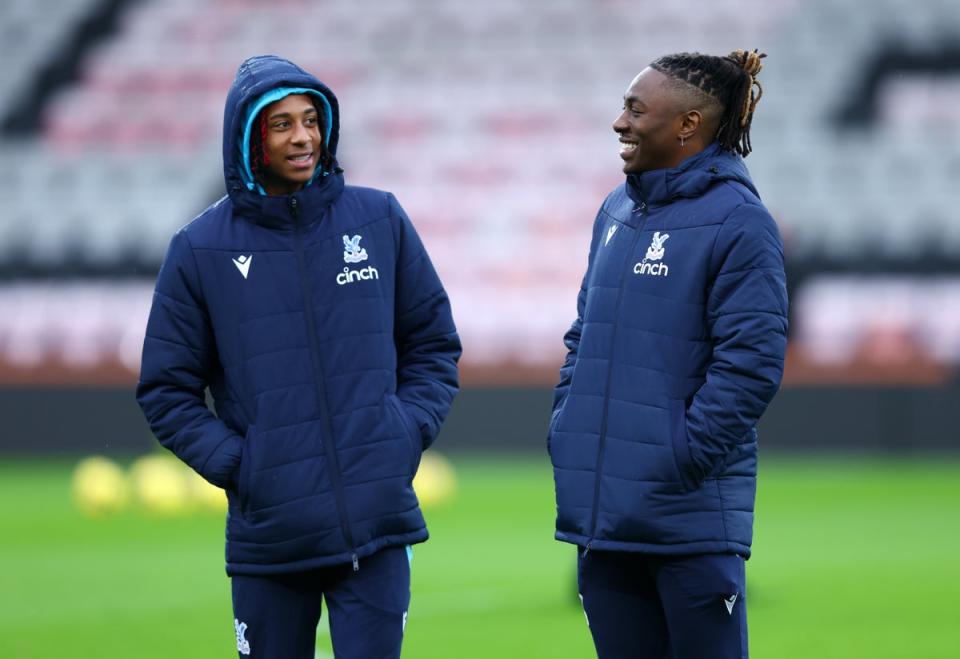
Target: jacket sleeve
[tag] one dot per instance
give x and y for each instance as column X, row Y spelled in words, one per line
column 572, row 337
column 747, row 324
column 428, row 346
column 178, row 356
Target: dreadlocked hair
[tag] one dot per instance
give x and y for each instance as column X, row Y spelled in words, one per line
column 327, row 162
column 730, row 81
column 259, row 159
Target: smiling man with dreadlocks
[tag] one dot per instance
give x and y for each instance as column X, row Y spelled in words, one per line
column 676, row 351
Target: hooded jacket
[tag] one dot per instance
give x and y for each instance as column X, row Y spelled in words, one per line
column 676, row 351
column 326, row 340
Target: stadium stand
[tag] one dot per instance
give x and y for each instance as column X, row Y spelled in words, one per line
column 29, row 31
column 490, row 121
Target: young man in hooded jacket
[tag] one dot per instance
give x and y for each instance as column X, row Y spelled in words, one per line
column 676, row 351
column 311, row 311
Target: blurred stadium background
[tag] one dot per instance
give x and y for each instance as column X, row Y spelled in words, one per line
column 490, row 121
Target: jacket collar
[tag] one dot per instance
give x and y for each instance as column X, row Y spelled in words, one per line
column 274, row 211
column 689, row 179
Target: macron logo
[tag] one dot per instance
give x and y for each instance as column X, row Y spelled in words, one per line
column 612, row 230
column 243, row 264
column 730, row 602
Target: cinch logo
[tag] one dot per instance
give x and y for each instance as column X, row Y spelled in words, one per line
column 654, row 253
column 349, row 276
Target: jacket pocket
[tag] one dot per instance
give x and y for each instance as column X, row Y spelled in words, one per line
column 411, row 432
column 681, row 445
column 243, row 480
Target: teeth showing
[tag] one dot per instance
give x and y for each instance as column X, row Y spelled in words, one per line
column 301, row 158
column 627, row 147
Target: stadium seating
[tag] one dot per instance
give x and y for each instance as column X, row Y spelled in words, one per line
column 491, row 123
column 30, row 30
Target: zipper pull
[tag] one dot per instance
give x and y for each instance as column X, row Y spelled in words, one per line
column 640, row 208
column 293, row 206
column 356, row 563
column 586, row 550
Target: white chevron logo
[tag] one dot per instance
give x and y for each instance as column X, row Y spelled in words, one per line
column 612, row 230
column 243, row 264
column 730, row 602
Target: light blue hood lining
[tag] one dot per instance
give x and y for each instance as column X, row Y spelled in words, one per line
column 263, row 101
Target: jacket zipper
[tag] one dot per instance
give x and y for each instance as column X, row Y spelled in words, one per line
column 328, row 444
column 642, row 208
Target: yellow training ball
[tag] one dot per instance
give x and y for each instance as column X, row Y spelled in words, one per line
column 436, row 481
column 99, row 486
column 205, row 494
column 161, row 485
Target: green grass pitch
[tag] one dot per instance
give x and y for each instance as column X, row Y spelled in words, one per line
column 852, row 558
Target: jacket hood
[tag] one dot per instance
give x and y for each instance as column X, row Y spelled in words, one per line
column 691, row 178
column 262, row 80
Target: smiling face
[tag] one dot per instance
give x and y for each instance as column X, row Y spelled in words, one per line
column 651, row 125
column 292, row 144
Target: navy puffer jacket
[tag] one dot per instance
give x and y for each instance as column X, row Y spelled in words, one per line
column 326, row 340
column 676, row 351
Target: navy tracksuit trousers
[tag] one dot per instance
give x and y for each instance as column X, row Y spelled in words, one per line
column 642, row 606
column 276, row 616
